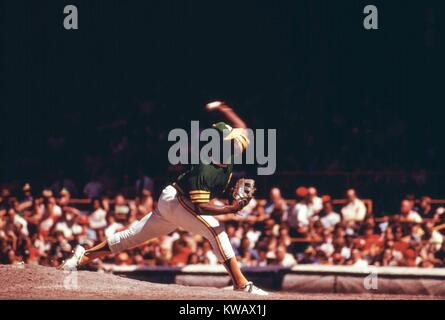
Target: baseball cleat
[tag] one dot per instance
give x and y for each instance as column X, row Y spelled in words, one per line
column 74, row 261
column 250, row 288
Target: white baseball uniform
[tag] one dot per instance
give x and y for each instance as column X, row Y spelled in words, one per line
column 173, row 211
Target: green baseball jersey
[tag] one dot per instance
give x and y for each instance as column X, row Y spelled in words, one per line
column 205, row 181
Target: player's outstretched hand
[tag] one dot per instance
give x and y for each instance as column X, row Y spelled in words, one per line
column 218, row 105
column 233, row 119
column 214, row 105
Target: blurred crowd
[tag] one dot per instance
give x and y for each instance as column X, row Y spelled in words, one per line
column 44, row 227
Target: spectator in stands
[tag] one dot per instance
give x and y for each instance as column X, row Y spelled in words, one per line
column 316, row 232
column 144, row 204
column 355, row 210
column 262, row 257
column 300, row 208
column 193, row 258
column 47, row 211
column 426, row 210
column 432, row 236
column 98, row 217
column 387, row 258
column 276, row 206
column 342, row 251
column 302, row 213
column 112, row 226
column 309, row 256
column 399, row 244
column 231, row 233
column 245, row 247
column 65, row 198
column 411, row 254
column 164, row 250
column 370, row 238
column 251, row 233
column 284, row 237
column 181, row 252
column 123, row 259
column 411, row 198
column 208, row 254
column 314, row 201
column 15, row 222
column 407, row 214
column 27, row 194
column 283, row 258
column 122, row 210
column 328, row 217
column 357, row 259
column 247, row 260
column 416, row 232
column 427, row 258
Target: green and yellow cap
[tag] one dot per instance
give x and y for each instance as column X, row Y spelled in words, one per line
column 237, row 134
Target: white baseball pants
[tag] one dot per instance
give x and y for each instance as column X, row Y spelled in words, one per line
column 174, row 211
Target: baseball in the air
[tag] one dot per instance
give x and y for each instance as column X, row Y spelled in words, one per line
column 213, row 105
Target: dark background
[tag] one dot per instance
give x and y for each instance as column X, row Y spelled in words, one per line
column 343, row 99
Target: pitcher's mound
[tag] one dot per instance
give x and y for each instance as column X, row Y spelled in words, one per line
column 37, row 282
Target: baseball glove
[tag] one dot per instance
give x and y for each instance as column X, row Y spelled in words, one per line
column 243, row 191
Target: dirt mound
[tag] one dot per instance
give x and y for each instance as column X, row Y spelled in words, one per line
column 37, row 282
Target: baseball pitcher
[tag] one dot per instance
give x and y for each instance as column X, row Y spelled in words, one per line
column 186, row 204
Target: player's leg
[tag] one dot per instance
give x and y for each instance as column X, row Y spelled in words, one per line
column 97, row 252
column 214, row 231
column 151, row 226
column 238, row 278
